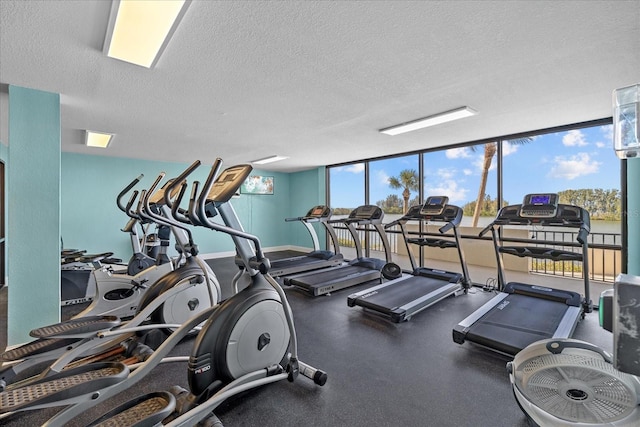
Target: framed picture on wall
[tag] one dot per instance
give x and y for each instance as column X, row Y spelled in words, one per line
column 257, row 184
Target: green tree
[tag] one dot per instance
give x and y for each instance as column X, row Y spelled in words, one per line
column 489, row 207
column 601, row 204
column 490, row 149
column 391, row 205
column 408, row 179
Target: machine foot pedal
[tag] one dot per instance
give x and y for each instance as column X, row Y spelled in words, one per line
column 64, row 386
column 84, row 326
column 149, row 409
column 39, row 346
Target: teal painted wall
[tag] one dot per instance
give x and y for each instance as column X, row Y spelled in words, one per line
column 92, row 221
column 633, row 215
column 33, row 228
column 307, row 190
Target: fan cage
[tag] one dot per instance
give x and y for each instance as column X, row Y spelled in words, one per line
column 577, row 388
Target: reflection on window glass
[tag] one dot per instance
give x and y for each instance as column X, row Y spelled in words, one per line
column 394, row 185
column 346, row 190
column 467, row 175
column 579, row 165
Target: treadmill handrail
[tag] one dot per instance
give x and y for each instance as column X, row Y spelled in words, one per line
column 565, row 216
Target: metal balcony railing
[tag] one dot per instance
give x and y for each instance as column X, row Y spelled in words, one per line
column 605, row 250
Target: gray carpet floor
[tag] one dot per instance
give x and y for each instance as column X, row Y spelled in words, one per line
column 380, row 373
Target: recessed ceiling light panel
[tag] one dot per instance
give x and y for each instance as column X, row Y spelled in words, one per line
column 269, row 159
column 97, row 139
column 139, row 31
column 436, row 119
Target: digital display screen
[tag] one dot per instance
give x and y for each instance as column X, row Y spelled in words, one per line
column 540, row 199
column 435, row 201
column 317, row 211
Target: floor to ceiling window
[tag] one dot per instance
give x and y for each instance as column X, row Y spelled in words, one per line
column 346, row 192
column 577, row 162
column 582, row 168
column 394, row 185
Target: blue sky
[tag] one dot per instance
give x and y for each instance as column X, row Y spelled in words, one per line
column 581, row 158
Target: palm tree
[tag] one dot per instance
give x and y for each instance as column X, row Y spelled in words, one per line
column 408, row 179
column 490, row 149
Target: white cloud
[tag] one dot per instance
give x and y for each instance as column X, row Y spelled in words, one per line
column 382, row 176
column 458, row 153
column 607, row 133
column 467, row 172
column 447, row 188
column 357, row 168
column 479, row 163
column 574, row 138
column 573, row 167
column 508, row 149
column 601, row 144
column 446, row 173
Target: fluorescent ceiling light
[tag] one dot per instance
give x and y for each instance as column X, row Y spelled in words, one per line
column 98, row 139
column 139, row 31
column 436, row 119
column 269, row 159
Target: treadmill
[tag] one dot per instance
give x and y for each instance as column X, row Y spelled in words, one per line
column 317, row 258
column 358, row 271
column 522, row 313
column 401, row 298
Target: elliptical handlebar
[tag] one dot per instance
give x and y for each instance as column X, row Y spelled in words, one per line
column 178, row 181
column 259, row 262
column 130, row 204
column 175, row 207
column 146, row 208
column 206, row 188
column 125, row 191
column 192, row 210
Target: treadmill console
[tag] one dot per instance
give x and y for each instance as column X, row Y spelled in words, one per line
column 539, row 205
column 434, row 205
column 319, row 211
column 366, row 213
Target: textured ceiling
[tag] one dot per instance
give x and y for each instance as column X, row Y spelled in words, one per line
column 315, row 80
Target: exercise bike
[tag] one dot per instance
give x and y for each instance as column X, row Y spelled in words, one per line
column 171, row 300
column 246, row 342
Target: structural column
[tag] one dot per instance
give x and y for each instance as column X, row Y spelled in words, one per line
column 633, row 216
column 33, row 232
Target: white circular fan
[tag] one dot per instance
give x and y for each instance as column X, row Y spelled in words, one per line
column 569, row 382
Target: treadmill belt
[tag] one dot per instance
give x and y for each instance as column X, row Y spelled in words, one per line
column 402, row 292
column 516, row 322
column 332, row 275
column 289, row 262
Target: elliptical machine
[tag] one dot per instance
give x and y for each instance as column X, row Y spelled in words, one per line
column 80, row 272
column 247, row 341
column 147, row 250
column 170, row 301
column 119, row 294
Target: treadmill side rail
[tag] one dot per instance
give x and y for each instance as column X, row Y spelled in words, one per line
column 568, row 323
